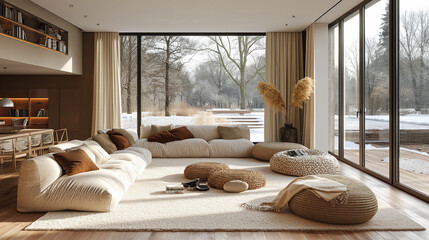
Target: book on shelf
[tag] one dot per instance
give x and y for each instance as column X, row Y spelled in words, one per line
column 8, row 12
column 20, row 18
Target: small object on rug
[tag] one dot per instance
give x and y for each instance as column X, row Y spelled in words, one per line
column 235, row 186
column 299, row 162
column 174, row 189
column 253, row 178
column 203, row 170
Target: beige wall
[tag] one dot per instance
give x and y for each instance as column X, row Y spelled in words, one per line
column 17, row 51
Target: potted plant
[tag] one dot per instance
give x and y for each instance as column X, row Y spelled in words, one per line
column 300, row 94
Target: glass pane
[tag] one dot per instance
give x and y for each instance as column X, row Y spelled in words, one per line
column 351, row 88
column 195, row 80
column 333, row 90
column 377, row 86
column 414, row 97
column 129, row 82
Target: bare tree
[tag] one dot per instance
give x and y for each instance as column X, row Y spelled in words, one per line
column 128, row 69
column 234, row 59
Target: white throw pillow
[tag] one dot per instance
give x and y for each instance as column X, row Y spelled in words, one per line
column 101, row 155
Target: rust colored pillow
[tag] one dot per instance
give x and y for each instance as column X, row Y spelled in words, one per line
column 162, row 137
column 181, row 133
column 75, row 162
column 120, row 141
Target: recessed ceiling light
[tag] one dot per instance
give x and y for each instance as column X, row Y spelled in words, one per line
column 85, row 16
column 98, row 24
column 293, row 16
column 71, row 6
column 286, row 24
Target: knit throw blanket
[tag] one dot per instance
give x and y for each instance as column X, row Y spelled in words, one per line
column 329, row 190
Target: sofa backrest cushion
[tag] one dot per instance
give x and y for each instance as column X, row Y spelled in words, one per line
column 206, row 132
column 105, row 142
column 62, row 147
column 227, row 132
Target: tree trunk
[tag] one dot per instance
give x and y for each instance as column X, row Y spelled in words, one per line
column 129, row 76
column 167, row 78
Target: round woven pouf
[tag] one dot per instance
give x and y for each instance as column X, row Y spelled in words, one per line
column 202, row 170
column 254, row 179
column 311, row 163
column 265, row 150
column 360, row 207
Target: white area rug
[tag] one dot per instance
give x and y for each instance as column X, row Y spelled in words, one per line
column 145, row 207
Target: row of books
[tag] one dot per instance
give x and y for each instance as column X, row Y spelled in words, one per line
column 55, row 45
column 19, row 33
column 9, row 13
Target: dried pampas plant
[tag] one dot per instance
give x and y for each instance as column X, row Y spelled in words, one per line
column 271, row 96
column 302, row 92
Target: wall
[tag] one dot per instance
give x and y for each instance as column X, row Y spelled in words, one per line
column 321, row 95
column 70, row 95
column 22, row 52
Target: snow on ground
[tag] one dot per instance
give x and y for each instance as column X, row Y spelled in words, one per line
column 410, row 121
column 410, row 164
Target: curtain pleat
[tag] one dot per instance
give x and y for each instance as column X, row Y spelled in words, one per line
column 107, row 82
column 308, row 129
column 284, row 68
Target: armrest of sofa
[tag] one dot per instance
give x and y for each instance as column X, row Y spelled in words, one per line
column 35, row 175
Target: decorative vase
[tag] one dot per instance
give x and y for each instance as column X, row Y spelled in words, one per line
column 288, row 133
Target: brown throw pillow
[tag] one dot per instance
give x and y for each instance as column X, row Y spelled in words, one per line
column 154, row 129
column 181, row 133
column 162, row 137
column 75, row 162
column 230, row 132
column 105, row 142
column 120, row 141
column 126, row 134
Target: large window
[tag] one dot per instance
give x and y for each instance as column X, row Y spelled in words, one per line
column 193, row 80
column 369, row 98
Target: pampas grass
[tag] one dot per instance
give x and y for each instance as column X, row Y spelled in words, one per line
column 302, row 92
column 272, row 96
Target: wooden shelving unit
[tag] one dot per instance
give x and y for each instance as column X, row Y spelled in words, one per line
column 30, row 108
column 26, row 27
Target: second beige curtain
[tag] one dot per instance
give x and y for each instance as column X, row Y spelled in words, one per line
column 308, row 127
column 284, row 68
column 107, row 82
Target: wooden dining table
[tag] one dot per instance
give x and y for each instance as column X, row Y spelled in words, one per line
column 24, row 133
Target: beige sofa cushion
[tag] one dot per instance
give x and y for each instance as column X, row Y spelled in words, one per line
column 193, row 147
column 105, row 142
column 62, row 147
column 238, row 148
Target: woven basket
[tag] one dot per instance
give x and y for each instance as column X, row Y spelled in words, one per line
column 254, row 179
column 360, row 207
column 311, row 163
column 202, row 170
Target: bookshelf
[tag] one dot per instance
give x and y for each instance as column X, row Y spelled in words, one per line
column 18, row 24
column 35, row 110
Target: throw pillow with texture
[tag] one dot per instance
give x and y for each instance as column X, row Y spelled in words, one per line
column 126, row 134
column 105, row 142
column 120, row 141
column 230, row 132
column 162, row 137
column 87, row 150
column 74, row 162
column 154, row 129
column 181, row 133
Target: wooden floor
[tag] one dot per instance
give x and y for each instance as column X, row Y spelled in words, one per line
column 12, row 223
column 416, row 180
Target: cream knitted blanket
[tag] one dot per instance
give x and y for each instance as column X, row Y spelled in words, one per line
column 329, row 190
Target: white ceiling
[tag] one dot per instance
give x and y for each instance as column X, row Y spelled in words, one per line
column 194, row 15
column 18, row 68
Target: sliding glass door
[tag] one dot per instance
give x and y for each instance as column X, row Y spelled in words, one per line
column 379, row 75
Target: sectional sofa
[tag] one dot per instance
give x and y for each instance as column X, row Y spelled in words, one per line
column 43, row 187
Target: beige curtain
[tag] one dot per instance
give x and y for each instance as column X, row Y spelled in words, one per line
column 308, row 127
column 107, row 83
column 284, row 68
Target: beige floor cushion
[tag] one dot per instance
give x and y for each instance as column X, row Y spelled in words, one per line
column 265, row 150
column 360, row 207
column 254, row 179
column 313, row 162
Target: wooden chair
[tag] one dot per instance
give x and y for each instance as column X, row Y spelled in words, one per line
column 61, row 136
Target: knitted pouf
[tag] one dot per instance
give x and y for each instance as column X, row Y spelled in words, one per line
column 202, row 170
column 254, row 179
column 265, row 150
column 311, row 163
column 360, row 207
